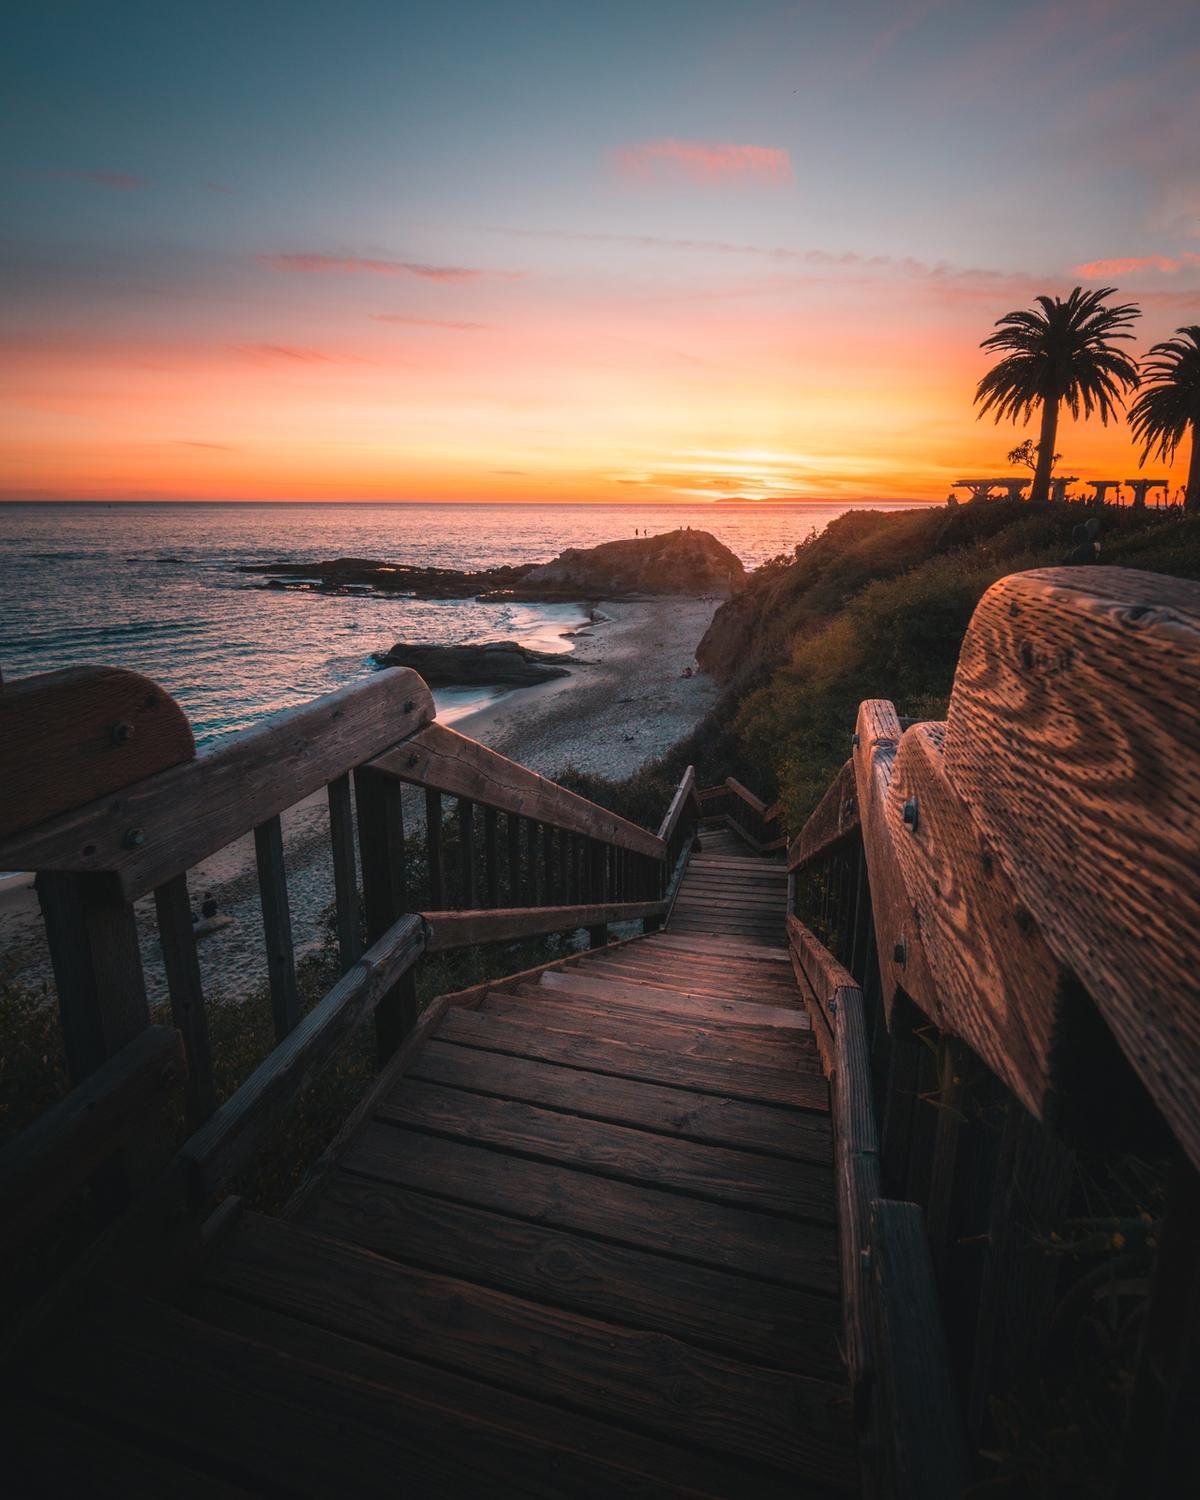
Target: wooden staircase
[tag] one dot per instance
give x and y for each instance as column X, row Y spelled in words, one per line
column 581, row 1241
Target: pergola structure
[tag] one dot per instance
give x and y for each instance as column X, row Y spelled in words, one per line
column 1141, row 486
column 981, row 489
column 1058, row 486
column 1102, row 487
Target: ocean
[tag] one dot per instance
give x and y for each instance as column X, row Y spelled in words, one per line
column 154, row 587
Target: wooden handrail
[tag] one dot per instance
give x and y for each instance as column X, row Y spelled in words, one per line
column 1017, row 842
column 449, row 762
column 460, row 929
column 223, row 1146
column 685, row 792
column 148, row 832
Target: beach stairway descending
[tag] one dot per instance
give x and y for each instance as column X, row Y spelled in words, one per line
column 581, row 1241
column 592, row 1222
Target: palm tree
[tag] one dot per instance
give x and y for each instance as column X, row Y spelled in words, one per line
column 1170, row 404
column 1062, row 353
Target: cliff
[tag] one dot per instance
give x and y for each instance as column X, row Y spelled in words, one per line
column 675, row 562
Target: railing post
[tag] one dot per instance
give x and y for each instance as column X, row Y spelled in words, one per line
column 97, row 964
column 385, row 895
column 512, row 825
column 433, row 842
column 345, row 881
column 491, row 855
column 178, row 940
column 466, row 851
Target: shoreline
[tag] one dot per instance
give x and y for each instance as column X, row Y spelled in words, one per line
column 624, row 704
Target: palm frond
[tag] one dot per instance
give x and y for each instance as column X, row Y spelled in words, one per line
column 1169, row 403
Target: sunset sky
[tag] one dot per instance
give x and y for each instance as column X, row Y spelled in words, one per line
column 275, row 249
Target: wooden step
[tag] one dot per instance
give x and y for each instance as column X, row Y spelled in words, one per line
column 624, row 1058
column 715, row 1173
column 555, row 1010
column 780, row 1326
column 783, row 1251
column 797, row 1135
column 686, row 1005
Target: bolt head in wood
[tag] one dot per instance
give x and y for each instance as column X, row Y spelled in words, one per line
column 121, row 733
column 409, row 706
column 912, row 812
column 134, row 838
column 855, row 741
column 900, row 953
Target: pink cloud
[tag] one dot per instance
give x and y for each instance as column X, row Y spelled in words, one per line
column 703, row 162
column 1126, row 265
column 427, row 322
column 355, row 265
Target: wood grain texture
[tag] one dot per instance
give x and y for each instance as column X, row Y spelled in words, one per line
column 794, row 1135
column 682, row 1393
column 720, row 1174
column 902, row 962
column 835, row 818
column 334, row 1416
column 996, row 984
column 182, row 815
column 277, row 926
column 710, row 1234
column 450, row 762
column 784, row 1327
column 69, row 737
column 616, row 1050
column 684, row 794
column 1072, row 738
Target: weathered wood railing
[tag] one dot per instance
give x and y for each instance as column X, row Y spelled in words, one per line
column 530, row 858
column 995, row 922
column 738, row 808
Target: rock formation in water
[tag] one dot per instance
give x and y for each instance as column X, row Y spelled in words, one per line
column 676, row 562
column 494, row 664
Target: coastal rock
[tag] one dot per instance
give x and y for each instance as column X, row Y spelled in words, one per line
column 675, row 562
column 358, row 575
column 494, row 664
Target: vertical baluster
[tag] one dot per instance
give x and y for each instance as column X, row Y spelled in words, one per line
column 491, row 855
column 513, row 830
column 385, row 893
column 345, row 878
column 277, row 926
column 536, row 893
column 466, row 852
column 433, row 836
column 548, row 864
column 178, row 939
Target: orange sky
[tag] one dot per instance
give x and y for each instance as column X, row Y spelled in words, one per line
column 572, row 253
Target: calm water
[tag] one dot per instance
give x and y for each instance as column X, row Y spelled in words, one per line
column 153, row 588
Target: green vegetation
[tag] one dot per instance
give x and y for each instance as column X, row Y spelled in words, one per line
column 875, row 606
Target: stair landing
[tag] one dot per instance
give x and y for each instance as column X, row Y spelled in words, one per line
column 584, row 1245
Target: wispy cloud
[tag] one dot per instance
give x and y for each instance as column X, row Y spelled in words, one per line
column 1126, row 265
column 428, row 322
column 287, row 353
column 703, row 162
column 118, row 182
column 359, row 265
column 196, row 443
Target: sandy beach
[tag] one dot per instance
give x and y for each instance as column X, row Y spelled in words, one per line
column 624, row 704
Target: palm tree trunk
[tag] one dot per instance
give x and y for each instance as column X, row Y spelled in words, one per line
column 1040, row 489
column 1191, row 496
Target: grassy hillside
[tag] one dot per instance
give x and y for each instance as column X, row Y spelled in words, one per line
column 874, row 607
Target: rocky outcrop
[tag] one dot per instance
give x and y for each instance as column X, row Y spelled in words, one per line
column 355, row 575
column 494, row 664
column 675, row 562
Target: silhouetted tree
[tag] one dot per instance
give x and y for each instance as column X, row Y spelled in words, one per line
column 1062, row 353
column 1170, row 405
column 1025, row 455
